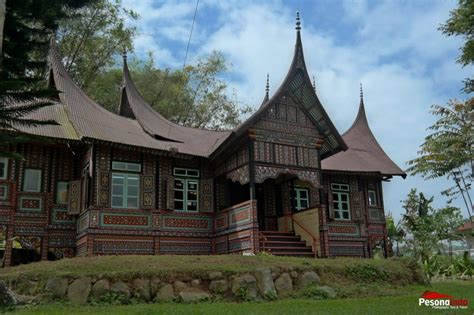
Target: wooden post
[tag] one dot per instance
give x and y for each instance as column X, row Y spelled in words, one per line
column 7, row 257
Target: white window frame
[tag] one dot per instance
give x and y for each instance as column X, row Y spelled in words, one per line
column 125, row 177
column 38, row 183
column 298, row 198
column 374, row 199
column 338, row 192
column 186, row 176
column 5, row 168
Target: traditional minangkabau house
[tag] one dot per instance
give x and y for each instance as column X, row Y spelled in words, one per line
column 284, row 181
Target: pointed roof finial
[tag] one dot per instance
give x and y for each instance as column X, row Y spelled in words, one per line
column 361, row 92
column 314, row 84
column 298, row 22
column 267, row 86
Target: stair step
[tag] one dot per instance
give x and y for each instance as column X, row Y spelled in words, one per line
column 290, row 249
column 282, row 238
column 284, row 244
column 278, row 233
column 297, row 254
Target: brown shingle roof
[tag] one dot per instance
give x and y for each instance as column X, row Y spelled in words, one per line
column 56, row 112
column 82, row 118
column 364, row 154
column 193, row 140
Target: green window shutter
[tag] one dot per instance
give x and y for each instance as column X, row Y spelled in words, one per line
column 74, row 197
column 330, row 204
column 170, row 193
column 206, row 195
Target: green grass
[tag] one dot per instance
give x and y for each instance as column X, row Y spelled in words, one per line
column 404, row 302
column 339, row 270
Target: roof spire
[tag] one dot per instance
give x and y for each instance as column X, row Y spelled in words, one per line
column 267, row 86
column 267, row 89
column 361, row 93
column 314, row 84
column 298, row 22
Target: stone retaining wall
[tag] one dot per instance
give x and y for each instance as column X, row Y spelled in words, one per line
column 258, row 285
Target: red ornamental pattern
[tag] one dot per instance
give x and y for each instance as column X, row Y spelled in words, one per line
column 27, row 203
column 62, row 216
column 342, row 229
column 243, row 215
column 126, row 220
column 186, row 223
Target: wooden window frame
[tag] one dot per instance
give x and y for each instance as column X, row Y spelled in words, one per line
column 338, row 191
column 298, row 198
column 127, row 167
column 125, row 188
column 186, row 176
column 369, row 192
column 5, row 168
column 38, row 184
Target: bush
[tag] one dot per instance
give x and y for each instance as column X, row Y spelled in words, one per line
column 440, row 266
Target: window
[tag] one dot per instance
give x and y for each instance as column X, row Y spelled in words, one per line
column 125, row 188
column 3, row 168
column 186, row 172
column 125, row 185
column 62, row 189
column 186, row 190
column 340, row 200
column 372, row 198
column 127, row 167
column 32, row 180
column 301, row 198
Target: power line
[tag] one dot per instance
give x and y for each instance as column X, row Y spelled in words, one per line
column 190, row 34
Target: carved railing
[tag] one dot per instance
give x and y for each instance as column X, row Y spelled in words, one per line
column 236, row 228
column 263, row 241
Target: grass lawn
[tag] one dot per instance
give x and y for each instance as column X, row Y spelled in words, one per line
column 404, row 302
column 338, row 272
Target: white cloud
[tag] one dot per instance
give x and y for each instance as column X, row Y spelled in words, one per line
column 395, row 50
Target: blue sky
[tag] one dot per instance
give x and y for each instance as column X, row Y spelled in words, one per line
column 393, row 47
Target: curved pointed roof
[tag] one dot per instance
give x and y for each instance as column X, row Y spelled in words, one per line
column 365, row 153
column 298, row 86
column 81, row 118
column 198, row 141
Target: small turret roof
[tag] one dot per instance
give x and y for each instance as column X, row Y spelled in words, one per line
column 365, row 153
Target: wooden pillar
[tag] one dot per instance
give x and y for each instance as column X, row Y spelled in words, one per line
column 157, row 245
column 44, row 248
column 251, row 168
column 385, row 236
column 7, row 257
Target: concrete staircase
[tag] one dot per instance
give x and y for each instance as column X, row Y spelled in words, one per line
column 284, row 244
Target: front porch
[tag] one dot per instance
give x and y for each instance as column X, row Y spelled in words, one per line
column 287, row 212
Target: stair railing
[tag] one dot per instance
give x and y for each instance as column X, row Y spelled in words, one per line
column 263, row 240
column 314, row 238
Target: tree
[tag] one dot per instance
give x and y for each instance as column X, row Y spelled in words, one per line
column 395, row 232
column 91, row 37
column 461, row 23
column 448, row 150
column 428, row 227
column 193, row 96
column 28, row 28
